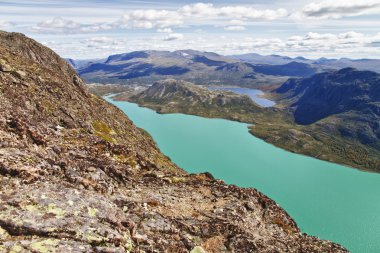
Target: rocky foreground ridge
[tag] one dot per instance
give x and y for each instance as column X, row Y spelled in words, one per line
column 77, row 176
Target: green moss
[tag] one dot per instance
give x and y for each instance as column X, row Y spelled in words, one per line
column 130, row 160
column 51, row 208
column 3, row 233
column 92, row 211
column 198, row 249
column 103, row 131
column 32, row 208
column 95, row 238
column 48, row 107
column 177, row 180
column 128, row 246
column 102, row 127
column 45, row 246
column 16, row 248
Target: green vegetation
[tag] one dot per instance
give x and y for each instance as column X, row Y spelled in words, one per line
column 103, row 131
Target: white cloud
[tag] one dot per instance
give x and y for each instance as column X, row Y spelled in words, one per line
column 103, row 42
column 332, row 43
column 56, row 25
column 235, row 28
column 60, row 25
column 165, row 30
column 338, row 8
column 162, row 20
column 311, row 45
column 4, row 24
column 315, row 45
column 198, row 9
column 173, row 36
column 189, row 14
column 199, row 21
column 148, row 19
column 237, row 22
column 207, row 10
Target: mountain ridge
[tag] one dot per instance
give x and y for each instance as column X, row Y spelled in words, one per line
column 202, row 67
column 189, row 65
column 322, row 63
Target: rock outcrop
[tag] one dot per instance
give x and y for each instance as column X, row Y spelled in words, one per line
column 77, row 176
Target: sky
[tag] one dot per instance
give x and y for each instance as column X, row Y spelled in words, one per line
column 85, row 29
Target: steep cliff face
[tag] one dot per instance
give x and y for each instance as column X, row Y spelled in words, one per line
column 77, row 176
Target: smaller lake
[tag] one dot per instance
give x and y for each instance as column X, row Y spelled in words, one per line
column 254, row 94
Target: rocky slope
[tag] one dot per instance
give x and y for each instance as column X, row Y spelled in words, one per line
column 77, row 176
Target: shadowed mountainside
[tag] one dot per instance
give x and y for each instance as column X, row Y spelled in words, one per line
column 348, row 100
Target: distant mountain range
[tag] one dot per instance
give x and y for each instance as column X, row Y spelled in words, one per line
column 250, row 70
column 198, row 67
column 321, row 63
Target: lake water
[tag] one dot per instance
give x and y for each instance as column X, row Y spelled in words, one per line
column 327, row 200
column 254, row 94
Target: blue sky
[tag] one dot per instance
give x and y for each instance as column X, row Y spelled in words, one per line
column 96, row 29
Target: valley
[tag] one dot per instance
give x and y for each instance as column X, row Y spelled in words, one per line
column 348, row 136
column 275, row 125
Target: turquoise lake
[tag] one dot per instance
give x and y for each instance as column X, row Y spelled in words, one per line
column 327, row 200
column 254, row 94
